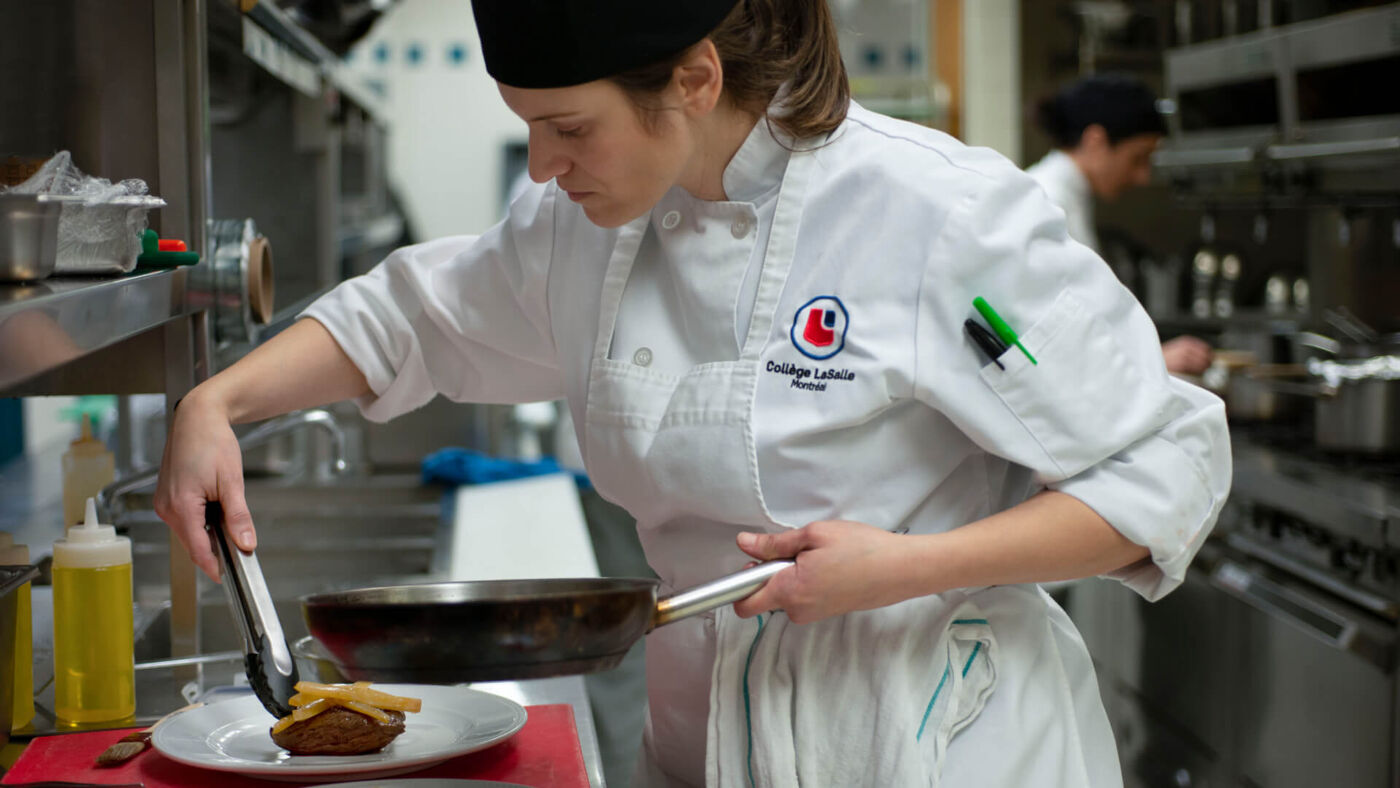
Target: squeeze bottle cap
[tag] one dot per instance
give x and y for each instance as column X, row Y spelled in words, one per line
column 91, row 544
column 85, row 443
column 92, row 531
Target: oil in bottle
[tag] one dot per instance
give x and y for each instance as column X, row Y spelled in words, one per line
column 94, row 668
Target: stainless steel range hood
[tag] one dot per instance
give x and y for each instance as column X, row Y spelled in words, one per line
column 1320, row 94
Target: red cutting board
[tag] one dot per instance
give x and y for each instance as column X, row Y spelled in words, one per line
column 545, row 753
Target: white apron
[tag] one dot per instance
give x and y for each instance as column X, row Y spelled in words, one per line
column 663, row 445
column 680, row 450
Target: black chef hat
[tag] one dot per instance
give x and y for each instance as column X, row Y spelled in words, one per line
column 1121, row 103
column 558, row 43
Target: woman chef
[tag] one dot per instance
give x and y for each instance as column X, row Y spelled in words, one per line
column 752, row 294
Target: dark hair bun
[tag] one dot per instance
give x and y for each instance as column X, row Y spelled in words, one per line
column 1121, row 104
column 1050, row 117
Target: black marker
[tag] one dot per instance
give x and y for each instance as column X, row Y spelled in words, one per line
column 986, row 340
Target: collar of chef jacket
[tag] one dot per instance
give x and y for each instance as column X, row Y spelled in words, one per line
column 756, row 170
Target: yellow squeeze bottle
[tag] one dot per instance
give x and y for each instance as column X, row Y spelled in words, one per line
column 22, row 711
column 94, row 670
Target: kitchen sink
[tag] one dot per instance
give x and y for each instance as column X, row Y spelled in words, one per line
column 350, row 533
column 217, row 630
column 396, row 491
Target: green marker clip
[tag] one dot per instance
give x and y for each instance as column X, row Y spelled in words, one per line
column 1000, row 327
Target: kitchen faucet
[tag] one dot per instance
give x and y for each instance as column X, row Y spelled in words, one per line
column 109, row 498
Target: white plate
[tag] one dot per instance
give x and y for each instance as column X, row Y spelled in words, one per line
column 232, row 736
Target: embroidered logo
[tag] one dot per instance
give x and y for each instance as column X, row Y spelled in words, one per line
column 819, row 327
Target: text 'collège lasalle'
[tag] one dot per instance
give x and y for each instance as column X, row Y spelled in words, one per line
column 810, row 378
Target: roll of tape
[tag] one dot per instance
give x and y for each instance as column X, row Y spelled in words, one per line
column 236, row 281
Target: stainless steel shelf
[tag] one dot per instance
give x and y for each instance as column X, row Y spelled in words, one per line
column 273, row 39
column 276, row 21
column 1244, row 318
column 46, row 324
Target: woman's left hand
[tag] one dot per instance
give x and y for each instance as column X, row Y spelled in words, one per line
column 841, row 566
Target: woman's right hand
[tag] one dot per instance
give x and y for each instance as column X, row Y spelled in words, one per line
column 203, row 462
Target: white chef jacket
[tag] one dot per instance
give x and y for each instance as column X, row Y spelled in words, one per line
column 1067, row 186
column 855, row 395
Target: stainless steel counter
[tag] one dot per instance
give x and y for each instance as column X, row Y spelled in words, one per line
column 48, row 323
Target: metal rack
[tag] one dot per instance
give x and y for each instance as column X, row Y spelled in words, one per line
column 82, row 335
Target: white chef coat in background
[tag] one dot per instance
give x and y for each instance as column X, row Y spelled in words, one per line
column 851, row 393
column 1068, row 188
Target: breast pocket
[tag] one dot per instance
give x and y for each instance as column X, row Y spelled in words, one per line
column 1084, row 399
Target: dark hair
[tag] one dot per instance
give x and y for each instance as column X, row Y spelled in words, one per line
column 762, row 45
column 1122, row 105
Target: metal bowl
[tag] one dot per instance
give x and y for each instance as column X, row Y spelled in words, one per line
column 28, row 236
column 315, row 663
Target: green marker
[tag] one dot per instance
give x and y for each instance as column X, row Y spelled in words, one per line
column 998, row 325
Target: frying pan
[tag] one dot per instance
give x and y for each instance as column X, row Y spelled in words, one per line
column 494, row 630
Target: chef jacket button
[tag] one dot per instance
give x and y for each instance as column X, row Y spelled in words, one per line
column 740, row 227
column 671, row 219
column 642, row 357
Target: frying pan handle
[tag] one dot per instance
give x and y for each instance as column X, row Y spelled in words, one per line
column 716, row 593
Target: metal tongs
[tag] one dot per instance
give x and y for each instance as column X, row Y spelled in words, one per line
column 271, row 670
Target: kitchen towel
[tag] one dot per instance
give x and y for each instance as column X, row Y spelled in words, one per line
column 903, row 692
column 545, row 754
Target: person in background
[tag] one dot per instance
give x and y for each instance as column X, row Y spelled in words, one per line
column 1105, row 128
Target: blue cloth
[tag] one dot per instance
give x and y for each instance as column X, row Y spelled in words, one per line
column 467, row 466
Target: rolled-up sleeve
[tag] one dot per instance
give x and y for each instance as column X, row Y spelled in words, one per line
column 1163, row 492
column 466, row 317
column 1095, row 414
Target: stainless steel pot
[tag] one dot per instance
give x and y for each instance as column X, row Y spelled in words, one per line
column 1362, row 417
column 1358, row 409
column 28, row 236
column 1357, row 400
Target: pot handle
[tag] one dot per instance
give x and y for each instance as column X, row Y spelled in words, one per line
column 1270, row 376
column 1348, row 323
column 716, row 593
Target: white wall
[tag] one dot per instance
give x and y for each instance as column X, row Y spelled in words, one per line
column 449, row 125
column 992, row 76
column 43, row 427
